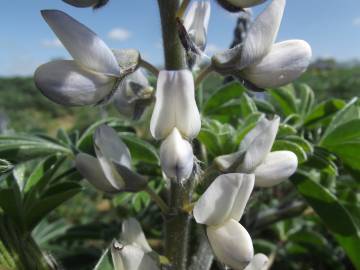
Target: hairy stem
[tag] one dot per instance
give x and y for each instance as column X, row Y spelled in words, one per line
column 177, row 222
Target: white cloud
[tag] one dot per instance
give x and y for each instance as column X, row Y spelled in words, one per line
column 51, row 43
column 356, row 22
column 212, row 48
column 119, row 34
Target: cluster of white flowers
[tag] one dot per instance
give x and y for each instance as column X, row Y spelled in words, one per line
column 98, row 73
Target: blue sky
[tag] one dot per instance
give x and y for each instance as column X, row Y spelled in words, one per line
column 332, row 27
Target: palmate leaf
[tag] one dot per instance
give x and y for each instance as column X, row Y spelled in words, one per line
column 344, row 141
column 284, row 99
column 18, row 149
column 222, row 96
column 322, row 114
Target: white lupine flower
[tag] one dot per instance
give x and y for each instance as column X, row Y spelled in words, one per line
column 231, row 244
column 239, row 5
column 111, row 170
column 132, row 252
column 90, row 77
column 133, row 94
column 176, row 156
column 196, row 22
column 221, row 208
column 224, row 199
column 175, row 105
column 86, row 3
column 129, row 257
column 260, row 61
column 270, row 168
column 132, row 234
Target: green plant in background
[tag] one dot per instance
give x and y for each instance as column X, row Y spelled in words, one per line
column 235, row 156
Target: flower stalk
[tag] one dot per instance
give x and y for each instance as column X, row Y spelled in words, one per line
column 177, row 222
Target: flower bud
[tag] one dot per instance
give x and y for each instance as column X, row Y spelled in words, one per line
column 176, row 156
column 133, row 94
column 231, row 244
column 175, row 105
column 111, row 170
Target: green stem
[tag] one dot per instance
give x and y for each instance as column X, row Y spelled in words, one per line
column 149, row 67
column 158, row 200
column 173, row 51
column 203, row 74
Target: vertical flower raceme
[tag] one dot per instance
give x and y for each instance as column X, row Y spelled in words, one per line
column 132, row 252
column 260, row 62
column 133, row 95
column 176, row 119
column 220, row 208
column 111, row 170
column 88, row 79
column 239, row 5
column 254, row 156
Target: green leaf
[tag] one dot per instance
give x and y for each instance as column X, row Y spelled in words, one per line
column 49, row 201
column 284, row 99
column 323, row 160
column 264, row 106
column 306, row 99
column 350, row 112
column 344, row 141
column 323, row 113
column 18, row 149
column 326, row 205
column 351, row 245
column 11, row 203
column 104, row 262
column 140, row 149
column 222, row 96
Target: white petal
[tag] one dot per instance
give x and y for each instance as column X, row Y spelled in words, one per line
column 111, row 146
column 176, row 156
column 259, row 262
column 277, row 167
column 133, row 234
column 285, row 63
column 226, row 161
column 225, row 198
column 132, row 258
column 89, row 167
column 82, row 3
column 231, row 244
column 243, row 195
column 110, row 149
column 83, row 44
column 262, row 34
column 245, row 3
column 175, row 105
column 116, row 248
column 196, row 22
column 260, row 143
column 66, row 83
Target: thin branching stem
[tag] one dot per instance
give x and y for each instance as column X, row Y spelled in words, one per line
column 203, row 74
column 150, row 67
column 158, row 200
